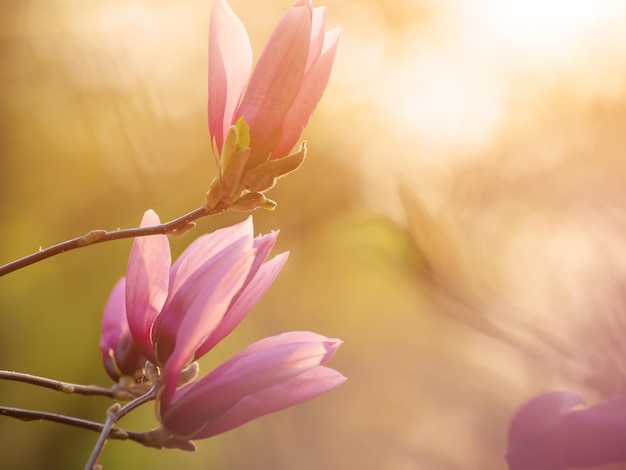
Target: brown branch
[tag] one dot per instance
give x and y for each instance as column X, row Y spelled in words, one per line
column 146, row 439
column 114, row 414
column 57, row 385
column 179, row 225
column 32, row 415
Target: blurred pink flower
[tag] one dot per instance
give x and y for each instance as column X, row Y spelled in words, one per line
column 177, row 313
column 286, row 84
column 553, row 432
column 270, row 375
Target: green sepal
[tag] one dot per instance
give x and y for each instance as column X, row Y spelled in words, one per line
column 264, row 176
column 237, row 138
column 249, row 202
column 232, row 173
column 215, row 193
column 243, row 133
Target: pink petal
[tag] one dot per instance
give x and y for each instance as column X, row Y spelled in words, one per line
column 209, row 307
column 260, row 366
column 256, row 283
column 202, row 288
column 147, row 280
column 267, row 353
column 542, row 414
column 206, row 247
column 318, row 31
column 247, row 298
column 230, row 63
column 595, row 435
column 310, row 92
column 120, row 354
column 275, row 81
column 114, row 327
column 263, row 245
column 299, row 389
column 114, row 323
column 203, row 301
column 291, row 338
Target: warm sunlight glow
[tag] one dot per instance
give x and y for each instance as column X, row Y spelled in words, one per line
column 440, row 99
column 454, row 84
column 544, row 26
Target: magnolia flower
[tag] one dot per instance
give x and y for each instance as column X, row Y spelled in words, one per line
column 553, row 431
column 173, row 315
column 268, row 119
column 270, row 375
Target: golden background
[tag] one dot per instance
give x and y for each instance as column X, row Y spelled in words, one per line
column 459, row 222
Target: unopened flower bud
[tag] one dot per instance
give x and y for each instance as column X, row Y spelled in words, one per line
column 93, row 237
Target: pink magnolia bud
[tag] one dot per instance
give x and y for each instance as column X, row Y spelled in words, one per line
column 270, row 375
column 285, row 86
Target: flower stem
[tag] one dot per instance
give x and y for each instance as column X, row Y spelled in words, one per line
column 57, row 385
column 181, row 224
column 114, row 414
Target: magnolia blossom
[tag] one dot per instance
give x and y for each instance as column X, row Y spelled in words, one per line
column 287, row 82
column 173, row 314
column 554, row 431
column 280, row 95
column 268, row 376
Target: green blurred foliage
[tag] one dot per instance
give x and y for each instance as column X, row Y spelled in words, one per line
column 458, row 222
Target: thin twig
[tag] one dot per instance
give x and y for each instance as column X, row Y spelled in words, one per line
column 114, row 414
column 180, row 224
column 114, row 433
column 32, row 415
column 57, row 385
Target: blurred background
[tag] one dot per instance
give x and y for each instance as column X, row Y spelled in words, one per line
column 459, row 222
